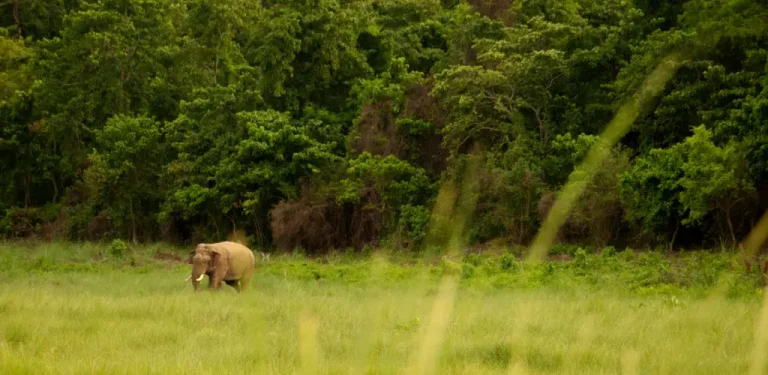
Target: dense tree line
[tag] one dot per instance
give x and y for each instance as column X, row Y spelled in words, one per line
column 326, row 124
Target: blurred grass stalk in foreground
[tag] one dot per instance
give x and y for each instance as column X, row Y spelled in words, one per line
column 754, row 240
column 308, row 343
column 458, row 213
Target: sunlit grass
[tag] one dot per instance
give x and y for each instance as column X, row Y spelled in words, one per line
column 121, row 322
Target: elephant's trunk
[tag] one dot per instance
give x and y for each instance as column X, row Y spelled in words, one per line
column 198, row 272
column 196, row 282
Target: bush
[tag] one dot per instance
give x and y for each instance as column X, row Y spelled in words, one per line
column 506, row 203
column 597, row 215
column 582, row 261
column 467, row 270
column 312, row 224
column 413, row 222
column 509, row 263
column 608, row 251
column 564, row 249
column 118, row 248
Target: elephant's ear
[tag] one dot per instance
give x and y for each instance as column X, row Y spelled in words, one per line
column 216, row 254
column 214, row 249
column 191, row 254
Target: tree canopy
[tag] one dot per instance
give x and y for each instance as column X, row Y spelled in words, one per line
column 325, row 124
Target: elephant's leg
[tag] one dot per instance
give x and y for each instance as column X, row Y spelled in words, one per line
column 216, row 283
column 245, row 281
column 211, row 281
column 218, row 276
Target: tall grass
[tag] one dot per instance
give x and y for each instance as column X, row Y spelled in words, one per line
column 115, row 321
column 80, row 309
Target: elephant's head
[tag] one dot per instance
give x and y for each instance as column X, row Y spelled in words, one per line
column 203, row 260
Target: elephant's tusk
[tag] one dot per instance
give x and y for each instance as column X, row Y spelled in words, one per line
column 201, row 277
column 188, row 278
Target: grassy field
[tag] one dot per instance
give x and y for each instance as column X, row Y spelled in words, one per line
column 72, row 309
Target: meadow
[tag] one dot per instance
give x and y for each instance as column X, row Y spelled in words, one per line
column 90, row 308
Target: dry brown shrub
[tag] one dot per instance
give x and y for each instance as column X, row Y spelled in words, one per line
column 376, row 130
column 585, row 222
column 35, row 126
column 422, row 105
column 56, row 229
column 367, row 219
column 239, row 236
column 32, row 223
column 306, row 223
column 593, row 218
column 507, row 205
column 168, row 256
column 316, row 222
column 428, row 148
column 495, row 9
column 24, row 222
column 98, row 227
column 598, row 218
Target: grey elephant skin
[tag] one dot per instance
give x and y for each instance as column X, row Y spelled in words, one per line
column 226, row 261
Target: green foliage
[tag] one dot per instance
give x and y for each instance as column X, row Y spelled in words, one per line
column 650, row 191
column 389, row 85
column 598, row 212
column 566, row 152
column 307, row 52
column 413, row 126
column 713, row 177
column 413, row 222
column 687, row 182
column 511, row 186
column 393, row 188
column 118, row 248
column 124, row 173
column 240, row 162
column 608, row 251
column 188, row 119
column 509, row 263
column 398, row 182
column 14, row 74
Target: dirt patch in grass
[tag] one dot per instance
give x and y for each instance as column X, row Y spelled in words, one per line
column 168, row 256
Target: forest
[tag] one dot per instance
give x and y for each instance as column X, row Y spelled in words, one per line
column 331, row 124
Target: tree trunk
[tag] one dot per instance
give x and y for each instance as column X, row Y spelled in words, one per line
column 527, row 214
column 216, row 225
column 17, row 18
column 27, row 191
column 674, row 235
column 541, row 127
column 730, row 225
column 55, row 189
column 723, row 232
column 133, row 222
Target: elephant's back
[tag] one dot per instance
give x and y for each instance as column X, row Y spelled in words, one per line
column 238, row 251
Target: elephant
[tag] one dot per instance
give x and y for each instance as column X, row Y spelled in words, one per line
column 225, row 261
